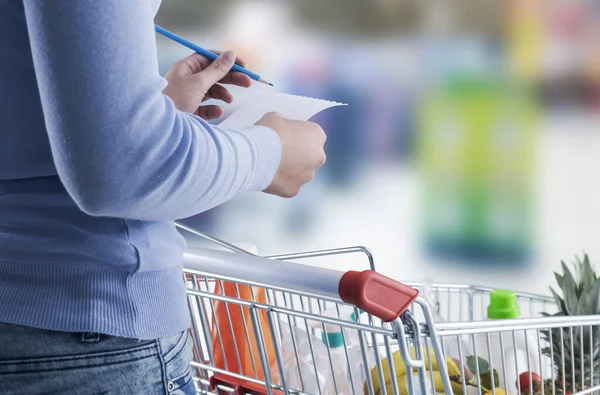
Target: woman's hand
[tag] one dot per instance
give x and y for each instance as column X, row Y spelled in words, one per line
column 302, row 153
column 195, row 79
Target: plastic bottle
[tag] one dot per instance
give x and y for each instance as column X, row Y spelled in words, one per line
column 453, row 345
column 373, row 353
column 515, row 350
column 343, row 355
column 303, row 373
column 337, row 351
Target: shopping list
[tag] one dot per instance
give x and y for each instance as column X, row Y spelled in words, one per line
column 248, row 112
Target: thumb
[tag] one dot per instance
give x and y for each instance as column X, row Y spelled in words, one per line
column 218, row 69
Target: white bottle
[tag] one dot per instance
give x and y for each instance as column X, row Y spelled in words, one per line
column 372, row 350
column 303, row 372
column 512, row 353
column 342, row 384
column 345, row 353
column 453, row 346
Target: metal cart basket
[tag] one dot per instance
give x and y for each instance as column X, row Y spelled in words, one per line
column 273, row 334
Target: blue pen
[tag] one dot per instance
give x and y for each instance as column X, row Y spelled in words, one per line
column 206, row 53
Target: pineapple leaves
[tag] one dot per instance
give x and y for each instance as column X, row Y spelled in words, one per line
column 565, row 269
column 582, row 306
column 588, row 277
column 576, row 347
column 559, row 279
column 592, row 300
column 547, row 351
column 570, row 293
column 559, row 301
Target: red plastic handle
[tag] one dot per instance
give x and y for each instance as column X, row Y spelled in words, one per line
column 376, row 294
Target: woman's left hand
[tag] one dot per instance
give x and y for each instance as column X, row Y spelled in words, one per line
column 195, row 79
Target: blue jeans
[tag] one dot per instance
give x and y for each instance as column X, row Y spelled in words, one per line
column 35, row 361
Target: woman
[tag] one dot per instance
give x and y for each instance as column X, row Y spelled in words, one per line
column 99, row 155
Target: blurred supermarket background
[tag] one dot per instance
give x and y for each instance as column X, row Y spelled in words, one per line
column 469, row 147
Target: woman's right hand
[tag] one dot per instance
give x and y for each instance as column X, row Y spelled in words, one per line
column 302, row 153
column 195, row 79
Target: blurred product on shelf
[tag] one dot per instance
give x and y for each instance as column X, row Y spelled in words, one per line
column 390, row 125
column 394, row 63
column 346, row 136
column 345, row 129
column 477, row 142
column 525, row 38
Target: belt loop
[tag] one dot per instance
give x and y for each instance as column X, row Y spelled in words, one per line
column 90, row 337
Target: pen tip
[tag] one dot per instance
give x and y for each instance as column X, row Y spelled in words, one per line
column 265, row 82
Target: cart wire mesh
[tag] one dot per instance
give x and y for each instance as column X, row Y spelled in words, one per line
column 278, row 340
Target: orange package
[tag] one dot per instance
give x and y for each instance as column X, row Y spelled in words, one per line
column 233, row 336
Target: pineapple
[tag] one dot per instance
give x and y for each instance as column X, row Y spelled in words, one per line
column 580, row 296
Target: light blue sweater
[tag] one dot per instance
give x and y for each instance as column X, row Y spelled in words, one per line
column 96, row 163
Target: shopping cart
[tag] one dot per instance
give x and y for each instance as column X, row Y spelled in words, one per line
column 390, row 344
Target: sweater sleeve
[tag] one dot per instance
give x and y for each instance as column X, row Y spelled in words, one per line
column 119, row 145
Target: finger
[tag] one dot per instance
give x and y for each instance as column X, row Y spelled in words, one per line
column 219, row 92
column 238, row 79
column 192, row 64
column 322, row 160
column 215, row 72
column 195, row 63
column 209, row 112
column 238, row 60
column 310, row 177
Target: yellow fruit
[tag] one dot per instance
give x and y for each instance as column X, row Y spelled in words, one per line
column 499, row 391
column 457, row 387
column 402, row 385
column 402, row 388
column 453, row 369
column 437, row 384
column 400, row 370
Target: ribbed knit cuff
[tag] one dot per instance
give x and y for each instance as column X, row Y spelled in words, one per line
column 268, row 149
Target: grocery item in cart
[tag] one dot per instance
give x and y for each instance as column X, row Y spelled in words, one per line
column 304, row 365
column 372, row 352
column 451, row 348
column 308, row 360
column 234, row 341
column 344, row 348
column 433, row 370
column 291, row 290
column 575, row 352
column 510, row 353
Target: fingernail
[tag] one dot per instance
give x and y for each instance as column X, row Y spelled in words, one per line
column 229, row 57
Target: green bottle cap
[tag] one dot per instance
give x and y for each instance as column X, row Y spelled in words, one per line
column 503, row 305
column 353, row 316
column 335, row 339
